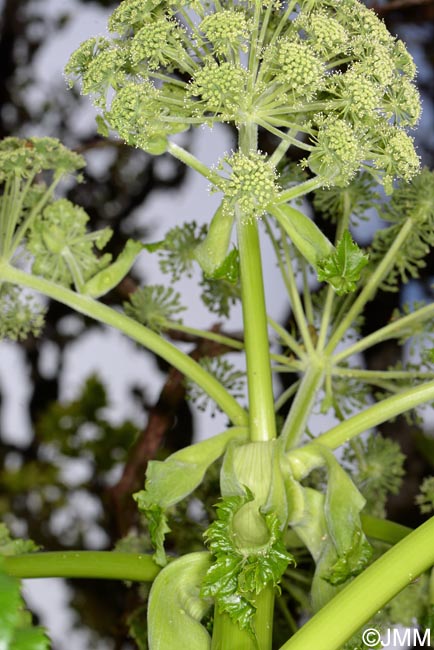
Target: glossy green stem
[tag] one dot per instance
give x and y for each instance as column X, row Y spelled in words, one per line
column 228, row 635
column 137, row 332
column 82, row 564
column 352, row 607
column 257, row 347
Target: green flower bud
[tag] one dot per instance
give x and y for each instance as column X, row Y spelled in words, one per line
column 221, row 88
column 137, row 113
column 403, row 60
column 365, row 23
column 104, row 71
column 357, row 98
column 83, row 56
column 324, row 33
column 338, row 154
column 131, row 15
column 157, row 43
column 252, row 184
column 395, row 155
column 226, row 30
column 63, row 250
column 402, row 103
column 298, row 68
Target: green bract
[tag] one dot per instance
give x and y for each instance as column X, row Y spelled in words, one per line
column 311, row 66
column 238, row 575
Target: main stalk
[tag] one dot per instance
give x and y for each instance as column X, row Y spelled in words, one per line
column 262, row 427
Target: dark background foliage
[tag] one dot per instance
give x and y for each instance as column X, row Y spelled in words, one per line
column 32, row 488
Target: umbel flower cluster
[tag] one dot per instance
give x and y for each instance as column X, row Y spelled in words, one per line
column 325, row 76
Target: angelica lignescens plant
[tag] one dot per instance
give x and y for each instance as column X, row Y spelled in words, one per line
column 327, row 80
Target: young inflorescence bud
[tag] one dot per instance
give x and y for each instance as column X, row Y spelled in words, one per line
column 252, row 184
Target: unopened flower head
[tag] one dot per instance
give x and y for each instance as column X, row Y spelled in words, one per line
column 231, row 62
column 227, row 30
column 251, row 185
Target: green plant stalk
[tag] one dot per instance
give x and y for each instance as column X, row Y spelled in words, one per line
column 137, row 332
column 82, row 564
column 21, row 231
column 257, row 348
column 262, row 427
column 392, row 330
column 286, row 338
column 227, row 634
column 191, row 161
column 351, row 608
column 204, row 334
column 367, row 375
column 289, row 280
column 295, row 423
column 259, row 381
column 300, row 190
column 374, row 415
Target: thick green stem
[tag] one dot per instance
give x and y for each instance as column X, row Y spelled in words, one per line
column 261, row 400
column 260, row 387
column 262, row 428
column 139, row 333
column 347, row 612
column 82, row 564
column 229, row 636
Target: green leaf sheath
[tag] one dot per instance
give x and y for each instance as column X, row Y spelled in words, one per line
column 339, row 619
column 89, row 307
column 170, row 481
column 303, row 232
column 176, row 608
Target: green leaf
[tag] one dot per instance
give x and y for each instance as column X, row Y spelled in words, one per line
column 351, row 562
column 330, row 526
column 239, row 574
column 170, row 481
column 176, row 606
column 16, row 631
column 343, row 267
column 158, row 530
column 9, row 546
column 10, row 602
column 30, row 639
column 229, row 269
